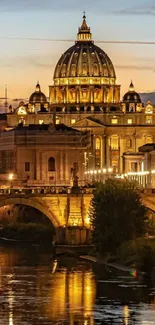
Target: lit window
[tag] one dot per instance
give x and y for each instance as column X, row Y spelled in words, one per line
column 129, row 120
column 149, row 119
column 114, row 142
column 114, row 121
column 41, row 121
column 98, row 144
column 57, row 121
column 73, row 120
column 148, row 108
column 22, row 110
column 22, row 121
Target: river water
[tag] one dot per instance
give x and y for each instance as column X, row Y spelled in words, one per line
column 35, row 289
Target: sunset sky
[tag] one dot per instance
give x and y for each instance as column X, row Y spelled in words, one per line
column 23, row 62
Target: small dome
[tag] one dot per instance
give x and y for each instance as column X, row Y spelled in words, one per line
column 38, row 97
column 132, row 96
column 84, row 59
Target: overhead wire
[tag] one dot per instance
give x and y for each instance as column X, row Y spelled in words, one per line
column 73, row 40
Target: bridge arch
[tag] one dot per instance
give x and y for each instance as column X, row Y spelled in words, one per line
column 34, row 203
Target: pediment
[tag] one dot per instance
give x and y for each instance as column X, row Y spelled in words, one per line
column 88, row 123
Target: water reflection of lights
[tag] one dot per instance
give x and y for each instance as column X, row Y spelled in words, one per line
column 126, row 315
column 55, row 263
column 73, row 294
column 11, row 301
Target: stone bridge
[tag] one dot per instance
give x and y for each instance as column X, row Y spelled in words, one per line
column 69, row 213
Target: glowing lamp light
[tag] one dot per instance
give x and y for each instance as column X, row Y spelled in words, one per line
column 110, row 170
column 10, row 177
column 104, row 170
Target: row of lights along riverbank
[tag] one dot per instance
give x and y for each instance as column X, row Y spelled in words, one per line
column 110, row 171
column 99, row 171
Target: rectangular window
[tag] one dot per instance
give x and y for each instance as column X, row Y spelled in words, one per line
column 129, row 120
column 73, row 120
column 114, row 121
column 57, row 121
column 27, row 166
column 149, row 119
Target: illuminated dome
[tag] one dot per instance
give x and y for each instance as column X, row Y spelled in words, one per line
column 38, row 97
column 84, row 62
column 132, row 96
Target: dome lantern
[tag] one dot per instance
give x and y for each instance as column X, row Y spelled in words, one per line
column 38, row 88
column 84, row 33
column 131, row 87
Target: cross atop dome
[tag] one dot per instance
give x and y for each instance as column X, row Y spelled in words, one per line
column 84, row 33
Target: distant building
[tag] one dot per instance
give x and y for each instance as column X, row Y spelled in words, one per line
column 85, row 97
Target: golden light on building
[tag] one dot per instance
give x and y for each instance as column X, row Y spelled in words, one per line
column 84, row 74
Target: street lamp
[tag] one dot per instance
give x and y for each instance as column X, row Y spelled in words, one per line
column 11, row 178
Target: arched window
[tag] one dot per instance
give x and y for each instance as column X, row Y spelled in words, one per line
column 114, row 142
column 98, row 144
column 95, row 70
column 84, row 68
column 51, row 164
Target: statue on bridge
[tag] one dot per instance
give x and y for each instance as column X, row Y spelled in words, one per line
column 74, row 177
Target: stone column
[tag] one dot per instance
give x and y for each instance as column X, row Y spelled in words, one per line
column 67, row 94
column 103, row 151
column 66, row 168
column 102, row 94
column 92, row 95
column 105, row 95
column 55, row 93
column 77, row 95
column 61, row 166
column 108, row 152
column 35, row 164
column 122, row 149
column 40, row 164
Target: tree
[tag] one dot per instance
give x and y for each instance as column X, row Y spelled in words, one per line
column 116, row 214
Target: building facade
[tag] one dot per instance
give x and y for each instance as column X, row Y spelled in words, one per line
column 85, row 97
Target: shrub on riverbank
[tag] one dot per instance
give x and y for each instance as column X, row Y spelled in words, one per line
column 139, row 253
column 31, row 232
column 117, row 215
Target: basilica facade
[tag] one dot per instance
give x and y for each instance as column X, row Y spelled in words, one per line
column 85, row 98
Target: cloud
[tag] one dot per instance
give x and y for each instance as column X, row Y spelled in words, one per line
column 134, row 67
column 46, row 5
column 43, row 61
column 145, row 9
